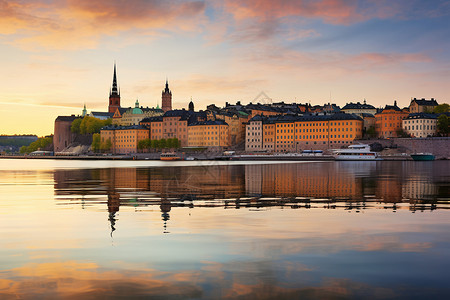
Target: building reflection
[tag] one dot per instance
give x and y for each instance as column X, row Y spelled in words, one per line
column 352, row 185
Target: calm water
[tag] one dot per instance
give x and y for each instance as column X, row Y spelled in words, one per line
column 209, row 230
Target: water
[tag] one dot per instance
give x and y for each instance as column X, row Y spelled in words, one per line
column 210, row 230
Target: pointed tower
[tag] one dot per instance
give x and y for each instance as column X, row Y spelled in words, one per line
column 114, row 94
column 166, row 98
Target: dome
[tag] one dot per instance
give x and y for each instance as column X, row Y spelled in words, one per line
column 136, row 109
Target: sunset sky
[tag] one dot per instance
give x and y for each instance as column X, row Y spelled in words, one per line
column 59, row 55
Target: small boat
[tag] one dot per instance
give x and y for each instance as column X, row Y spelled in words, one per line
column 169, row 156
column 356, row 152
column 189, row 158
column 423, row 156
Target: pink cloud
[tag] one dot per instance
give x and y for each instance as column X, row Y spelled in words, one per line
column 79, row 24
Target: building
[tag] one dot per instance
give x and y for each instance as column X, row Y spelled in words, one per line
column 388, row 122
column 420, row 125
column 63, row 136
column 114, row 95
column 295, row 133
column 166, row 98
column 173, row 124
column 422, row 105
column 359, row 108
column 211, row 134
column 124, row 139
column 134, row 115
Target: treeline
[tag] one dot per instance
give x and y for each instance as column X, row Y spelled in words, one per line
column 159, row 144
column 88, row 125
column 17, row 141
column 39, row 144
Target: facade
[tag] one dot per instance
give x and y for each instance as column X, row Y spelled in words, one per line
column 236, row 122
column 359, row 108
column 208, row 134
column 422, row 105
column 166, row 98
column 296, row 133
column 254, row 134
column 132, row 116
column 173, row 124
column 124, row 139
column 420, row 125
column 114, row 95
column 63, row 136
column 389, row 121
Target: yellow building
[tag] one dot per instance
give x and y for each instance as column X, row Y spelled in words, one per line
column 295, row 133
column 124, row 139
column 208, row 134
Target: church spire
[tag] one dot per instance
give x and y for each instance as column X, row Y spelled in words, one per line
column 114, row 84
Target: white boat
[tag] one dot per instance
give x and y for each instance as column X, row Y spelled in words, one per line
column 356, row 152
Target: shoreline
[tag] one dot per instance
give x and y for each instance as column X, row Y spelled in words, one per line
column 140, row 157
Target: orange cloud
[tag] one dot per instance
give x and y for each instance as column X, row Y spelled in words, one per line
column 330, row 11
column 79, row 24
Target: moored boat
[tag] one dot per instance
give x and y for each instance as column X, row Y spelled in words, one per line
column 423, row 156
column 356, row 152
column 169, row 156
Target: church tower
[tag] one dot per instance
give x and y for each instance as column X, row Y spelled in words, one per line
column 166, row 98
column 114, row 94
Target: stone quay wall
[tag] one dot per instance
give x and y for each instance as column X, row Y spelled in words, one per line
column 439, row 146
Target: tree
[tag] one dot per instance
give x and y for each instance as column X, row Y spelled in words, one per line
column 40, row 143
column 443, row 125
column 162, row 143
column 96, row 142
column 442, row 108
column 106, row 146
column 371, row 133
column 75, row 127
column 402, row 133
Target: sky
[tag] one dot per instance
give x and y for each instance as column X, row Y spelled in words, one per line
column 59, row 55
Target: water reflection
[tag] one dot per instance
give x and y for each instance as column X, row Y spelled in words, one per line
column 253, row 231
column 351, row 185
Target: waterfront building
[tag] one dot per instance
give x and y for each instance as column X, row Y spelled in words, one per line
column 114, row 94
column 388, row 122
column 420, row 125
column 422, row 105
column 295, row 133
column 236, row 121
column 211, row 134
column 254, row 134
column 124, row 139
column 359, row 108
column 369, row 121
column 63, row 136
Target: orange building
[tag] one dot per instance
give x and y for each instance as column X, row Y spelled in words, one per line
column 124, row 139
column 389, row 121
column 295, row 133
column 173, row 124
column 208, row 134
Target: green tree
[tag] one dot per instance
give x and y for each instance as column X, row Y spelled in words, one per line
column 162, row 143
column 106, row 146
column 39, row 144
column 442, row 108
column 371, row 133
column 75, row 127
column 402, row 133
column 96, row 142
column 443, row 125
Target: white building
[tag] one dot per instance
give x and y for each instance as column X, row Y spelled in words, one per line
column 420, row 125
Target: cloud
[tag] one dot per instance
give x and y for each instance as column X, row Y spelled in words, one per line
column 80, row 24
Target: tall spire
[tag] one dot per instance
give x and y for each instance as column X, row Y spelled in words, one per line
column 114, row 84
